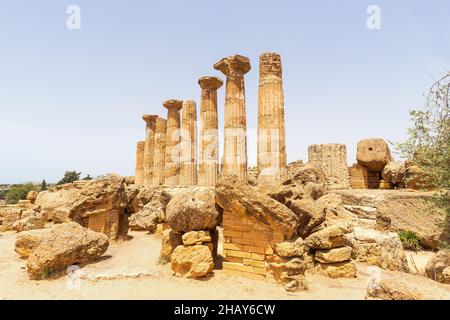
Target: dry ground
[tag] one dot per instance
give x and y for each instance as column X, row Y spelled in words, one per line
column 130, row 270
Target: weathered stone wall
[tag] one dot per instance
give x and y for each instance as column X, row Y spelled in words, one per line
column 332, row 160
column 247, row 245
column 358, row 177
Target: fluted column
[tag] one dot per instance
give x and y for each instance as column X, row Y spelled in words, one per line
column 271, row 120
column 235, row 133
column 188, row 155
column 139, row 173
column 208, row 168
column 172, row 170
column 150, row 121
column 160, row 152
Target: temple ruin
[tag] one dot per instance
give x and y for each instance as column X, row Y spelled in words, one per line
column 150, row 122
column 235, row 122
column 257, row 218
column 172, row 169
column 271, row 123
column 208, row 167
column 188, row 144
column 139, row 172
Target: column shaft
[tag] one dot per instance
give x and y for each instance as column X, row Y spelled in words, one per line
column 271, row 119
column 149, row 148
column 208, row 169
column 235, row 133
column 160, row 152
column 139, row 173
column 172, row 159
column 188, row 169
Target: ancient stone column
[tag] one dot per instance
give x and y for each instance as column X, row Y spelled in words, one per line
column 208, row 168
column 139, row 173
column 188, row 145
column 332, row 160
column 172, row 170
column 159, row 163
column 271, row 123
column 149, row 148
column 235, row 133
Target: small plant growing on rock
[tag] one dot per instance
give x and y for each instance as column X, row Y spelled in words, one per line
column 410, row 240
column 163, row 260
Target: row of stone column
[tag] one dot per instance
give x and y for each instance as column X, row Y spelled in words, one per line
column 169, row 154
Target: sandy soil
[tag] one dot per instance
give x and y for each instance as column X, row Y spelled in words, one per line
column 129, row 270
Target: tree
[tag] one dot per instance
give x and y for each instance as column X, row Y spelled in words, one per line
column 43, row 185
column 428, row 141
column 69, row 177
column 88, row 177
column 19, row 192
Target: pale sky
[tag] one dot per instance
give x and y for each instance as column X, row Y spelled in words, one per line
column 73, row 99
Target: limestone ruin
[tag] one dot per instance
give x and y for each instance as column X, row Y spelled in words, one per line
column 277, row 222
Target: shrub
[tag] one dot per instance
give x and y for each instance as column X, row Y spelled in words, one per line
column 410, row 240
column 69, row 177
column 19, row 192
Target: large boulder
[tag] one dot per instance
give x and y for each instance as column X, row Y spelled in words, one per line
column 196, row 237
column 302, row 181
column 192, row 261
column 155, row 196
column 328, row 238
column 394, row 173
column 289, row 271
column 67, row 244
column 416, row 178
column 390, row 285
column 27, row 241
column 380, row 249
column 289, row 249
column 333, row 255
column 170, row 240
column 31, row 219
column 346, row 269
column 417, row 215
column 235, row 195
column 8, row 216
column 373, row 153
column 436, row 266
column 303, row 185
column 31, row 196
column 146, row 220
column 193, row 210
column 97, row 204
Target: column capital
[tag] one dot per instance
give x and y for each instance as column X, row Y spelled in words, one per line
column 210, row 83
column 270, row 64
column 232, row 65
column 149, row 118
column 173, row 104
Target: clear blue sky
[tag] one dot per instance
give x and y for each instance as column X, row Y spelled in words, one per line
column 73, row 100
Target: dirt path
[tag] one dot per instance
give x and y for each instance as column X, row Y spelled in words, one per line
column 129, row 270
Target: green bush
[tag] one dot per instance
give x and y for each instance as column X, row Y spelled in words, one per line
column 410, row 240
column 19, row 192
column 428, row 142
column 69, row 177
